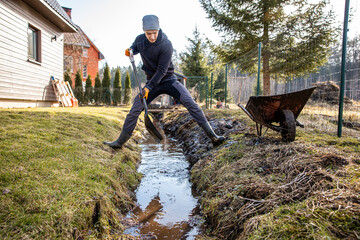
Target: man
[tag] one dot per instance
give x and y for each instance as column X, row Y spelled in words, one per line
column 156, row 51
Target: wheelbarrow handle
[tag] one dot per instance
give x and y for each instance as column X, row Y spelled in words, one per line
column 246, row 111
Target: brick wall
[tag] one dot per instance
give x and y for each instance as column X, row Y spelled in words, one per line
column 93, row 63
column 78, row 61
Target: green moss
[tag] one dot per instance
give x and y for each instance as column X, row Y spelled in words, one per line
column 230, row 154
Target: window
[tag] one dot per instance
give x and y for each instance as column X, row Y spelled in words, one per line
column 85, row 52
column 84, row 71
column 34, row 44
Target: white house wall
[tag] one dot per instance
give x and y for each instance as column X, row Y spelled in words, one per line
column 24, row 83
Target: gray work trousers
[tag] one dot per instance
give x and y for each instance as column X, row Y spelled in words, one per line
column 172, row 88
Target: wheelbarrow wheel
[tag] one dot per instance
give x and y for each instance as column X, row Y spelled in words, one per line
column 288, row 126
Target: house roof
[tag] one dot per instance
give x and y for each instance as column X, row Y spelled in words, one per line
column 52, row 11
column 101, row 56
column 56, row 6
column 80, row 39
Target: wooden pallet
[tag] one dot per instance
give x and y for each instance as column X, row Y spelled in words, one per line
column 64, row 93
column 74, row 101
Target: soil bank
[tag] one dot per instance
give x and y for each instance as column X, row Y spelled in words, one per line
column 263, row 188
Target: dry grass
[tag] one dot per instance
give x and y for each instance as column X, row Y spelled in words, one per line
column 263, row 188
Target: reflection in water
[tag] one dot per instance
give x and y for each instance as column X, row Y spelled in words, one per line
column 166, row 207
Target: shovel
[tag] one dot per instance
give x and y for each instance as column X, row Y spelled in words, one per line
column 148, row 123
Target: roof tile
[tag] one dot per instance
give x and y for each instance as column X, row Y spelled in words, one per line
column 56, row 6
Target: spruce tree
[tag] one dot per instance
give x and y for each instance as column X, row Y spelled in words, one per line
column 79, row 89
column 127, row 97
column 194, row 64
column 97, row 89
column 194, row 60
column 106, row 85
column 88, row 95
column 219, row 88
column 293, row 44
column 117, row 88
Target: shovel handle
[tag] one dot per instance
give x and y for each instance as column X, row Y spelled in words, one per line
column 132, row 60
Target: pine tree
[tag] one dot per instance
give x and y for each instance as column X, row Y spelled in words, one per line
column 97, row 89
column 245, row 23
column 79, row 89
column 106, row 85
column 127, row 97
column 88, row 95
column 117, row 88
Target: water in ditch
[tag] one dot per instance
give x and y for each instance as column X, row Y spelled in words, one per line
column 167, row 207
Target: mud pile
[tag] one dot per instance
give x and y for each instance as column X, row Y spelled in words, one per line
column 252, row 188
column 191, row 136
column 328, row 92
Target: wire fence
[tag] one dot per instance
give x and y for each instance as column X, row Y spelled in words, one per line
column 323, row 105
column 294, row 68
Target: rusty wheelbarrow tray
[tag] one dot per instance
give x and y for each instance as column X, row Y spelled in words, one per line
column 283, row 109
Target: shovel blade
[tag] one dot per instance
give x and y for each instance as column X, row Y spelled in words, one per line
column 152, row 129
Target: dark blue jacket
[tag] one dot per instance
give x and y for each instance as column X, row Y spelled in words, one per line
column 156, row 58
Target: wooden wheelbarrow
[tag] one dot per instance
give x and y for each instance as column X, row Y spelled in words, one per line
column 283, row 109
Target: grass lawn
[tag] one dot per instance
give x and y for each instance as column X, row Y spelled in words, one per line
column 57, row 179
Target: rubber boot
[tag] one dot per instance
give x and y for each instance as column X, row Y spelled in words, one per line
column 118, row 143
column 215, row 139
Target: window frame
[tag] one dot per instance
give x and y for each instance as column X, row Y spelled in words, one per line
column 85, row 71
column 85, row 52
column 34, row 42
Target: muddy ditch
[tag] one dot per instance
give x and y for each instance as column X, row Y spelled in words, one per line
column 166, row 207
column 245, row 181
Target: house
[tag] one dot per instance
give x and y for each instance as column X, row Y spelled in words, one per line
column 80, row 53
column 31, row 51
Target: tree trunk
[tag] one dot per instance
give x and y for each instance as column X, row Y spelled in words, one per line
column 266, row 53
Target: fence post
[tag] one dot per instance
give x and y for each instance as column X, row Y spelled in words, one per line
column 226, row 70
column 259, row 65
column 211, row 89
column 206, row 92
column 200, row 92
column 343, row 62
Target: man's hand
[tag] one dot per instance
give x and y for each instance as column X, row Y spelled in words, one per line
column 127, row 52
column 145, row 93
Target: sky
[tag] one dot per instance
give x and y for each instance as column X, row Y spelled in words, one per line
column 113, row 25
